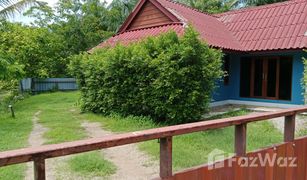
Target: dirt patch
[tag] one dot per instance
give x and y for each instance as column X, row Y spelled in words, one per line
column 36, row 139
column 131, row 163
column 36, row 136
column 52, row 165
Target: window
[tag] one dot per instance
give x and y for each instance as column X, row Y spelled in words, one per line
column 266, row 77
column 226, row 70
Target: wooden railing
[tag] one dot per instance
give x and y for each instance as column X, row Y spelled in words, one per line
column 165, row 134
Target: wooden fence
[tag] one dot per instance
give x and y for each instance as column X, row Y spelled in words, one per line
column 165, row 134
column 36, row 85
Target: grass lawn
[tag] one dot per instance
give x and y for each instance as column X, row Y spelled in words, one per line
column 3, row 94
column 193, row 149
column 63, row 122
column 95, row 165
column 14, row 134
column 60, row 114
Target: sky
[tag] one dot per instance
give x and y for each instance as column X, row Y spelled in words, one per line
column 27, row 20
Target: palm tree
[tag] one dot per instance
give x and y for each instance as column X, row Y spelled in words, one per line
column 9, row 7
column 118, row 12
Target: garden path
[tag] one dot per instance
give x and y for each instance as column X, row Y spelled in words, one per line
column 53, row 166
column 131, row 163
column 36, row 139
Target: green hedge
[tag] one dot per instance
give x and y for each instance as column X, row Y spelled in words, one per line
column 168, row 78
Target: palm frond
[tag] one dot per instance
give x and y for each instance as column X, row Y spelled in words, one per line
column 4, row 3
column 10, row 7
column 233, row 4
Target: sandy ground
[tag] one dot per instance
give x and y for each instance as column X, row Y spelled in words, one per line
column 131, row 163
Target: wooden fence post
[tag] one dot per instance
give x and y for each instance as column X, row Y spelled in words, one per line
column 39, row 169
column 289, row 135
column 289, row 129
column 166, row 157
column 240, row 139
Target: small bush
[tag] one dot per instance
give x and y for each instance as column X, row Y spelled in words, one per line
column 168, row 78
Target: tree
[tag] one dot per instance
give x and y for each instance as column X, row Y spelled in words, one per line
column 211, row 6
column 10, row 7
column 9, row 70
column 43, row 15
column 81, row 24
column 39, row 51
column 118, row 12
column 43, row 48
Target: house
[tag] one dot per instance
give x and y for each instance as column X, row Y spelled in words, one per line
column 263, row 46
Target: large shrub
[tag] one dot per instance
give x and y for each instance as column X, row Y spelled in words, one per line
column 169, row 78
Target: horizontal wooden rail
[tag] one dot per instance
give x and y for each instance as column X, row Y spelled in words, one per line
column 38, row 154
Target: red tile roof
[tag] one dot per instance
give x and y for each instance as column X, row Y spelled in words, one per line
column 139, row 34
column 269, row 27
column 213, row 31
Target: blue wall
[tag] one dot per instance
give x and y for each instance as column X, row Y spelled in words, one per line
column 232, row 90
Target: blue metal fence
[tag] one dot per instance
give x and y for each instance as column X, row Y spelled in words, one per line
column 48, row 84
